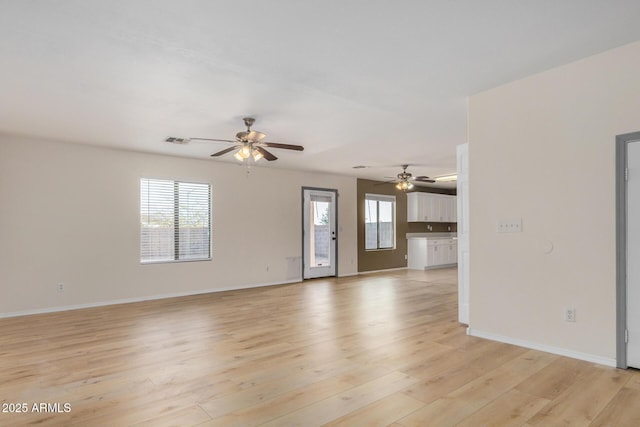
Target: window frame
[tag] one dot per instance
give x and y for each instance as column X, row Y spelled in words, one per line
column 380, row 198
column 176, row 221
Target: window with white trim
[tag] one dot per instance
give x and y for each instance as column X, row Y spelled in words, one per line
column 175, row 221
column 379, row 221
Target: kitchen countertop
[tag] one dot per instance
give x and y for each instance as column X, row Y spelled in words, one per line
column 450, row 235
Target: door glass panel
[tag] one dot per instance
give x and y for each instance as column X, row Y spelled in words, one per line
column 320, row 231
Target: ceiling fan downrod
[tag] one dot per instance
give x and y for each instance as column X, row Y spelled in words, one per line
column 249, row 121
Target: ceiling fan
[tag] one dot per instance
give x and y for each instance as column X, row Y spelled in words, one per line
column 405, row 180
column 249, row 143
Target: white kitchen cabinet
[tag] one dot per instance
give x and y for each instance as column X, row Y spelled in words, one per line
column 451, row 209
column 414, row 210
column 424, row 253
column 439, row 207
column 431, row 207
column 447, row 208
column 436, row 254
column 454, row 202
column 451, row 252
column 416, row 254
column 420, row 208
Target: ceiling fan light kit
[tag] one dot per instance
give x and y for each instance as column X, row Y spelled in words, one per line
column 252, row 146
column 404, row 185
column 257, row 155
column 244, row 152
column 405, row 180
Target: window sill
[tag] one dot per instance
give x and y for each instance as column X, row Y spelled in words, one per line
column 174, row 261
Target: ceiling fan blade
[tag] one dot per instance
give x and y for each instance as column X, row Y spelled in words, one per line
column 285, row 146
column 225, row 151
column 211, row 139
column 423, row 179
column 255, row 136
column 267, row 155
column 386, row 182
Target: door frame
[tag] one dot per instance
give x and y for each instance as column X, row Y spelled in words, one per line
column 622, row 143
column 462, row 200
column 329, row 190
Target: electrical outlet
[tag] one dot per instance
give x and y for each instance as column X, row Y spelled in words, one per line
column 570, row 315
column 406, row 256
column 60, row 287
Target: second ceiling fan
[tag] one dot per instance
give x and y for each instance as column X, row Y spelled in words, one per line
column 249, row 143
column 405, row 180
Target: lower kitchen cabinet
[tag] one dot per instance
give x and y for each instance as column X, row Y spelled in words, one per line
column 423, row 253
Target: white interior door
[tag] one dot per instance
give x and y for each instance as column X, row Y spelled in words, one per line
column 319, row 229
column 633, row 254
column 462, row 153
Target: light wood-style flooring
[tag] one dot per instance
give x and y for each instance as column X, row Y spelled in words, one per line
column 373, row 350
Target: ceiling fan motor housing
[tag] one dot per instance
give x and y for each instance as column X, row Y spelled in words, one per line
column 249, row 121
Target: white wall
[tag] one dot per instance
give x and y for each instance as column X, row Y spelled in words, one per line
column 542, row 149
column 70, row 214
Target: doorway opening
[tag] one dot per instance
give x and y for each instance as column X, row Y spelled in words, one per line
column 628, row 250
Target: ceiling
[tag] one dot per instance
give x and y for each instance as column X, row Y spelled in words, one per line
column 374, row 83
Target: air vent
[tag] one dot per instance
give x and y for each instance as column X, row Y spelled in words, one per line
column 174, row 140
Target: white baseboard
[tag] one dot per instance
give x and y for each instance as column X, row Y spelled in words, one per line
column 140, row 299
column 435, row 267
column 348, row 274
column 543, row 347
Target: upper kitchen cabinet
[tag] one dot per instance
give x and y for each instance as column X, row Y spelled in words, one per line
column 431, row 207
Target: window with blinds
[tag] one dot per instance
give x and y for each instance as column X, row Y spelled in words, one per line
column 175, row 221
column 379, row 221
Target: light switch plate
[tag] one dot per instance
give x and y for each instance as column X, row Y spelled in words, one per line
column 512, row 225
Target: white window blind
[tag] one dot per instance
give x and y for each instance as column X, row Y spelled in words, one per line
column 175, row 220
